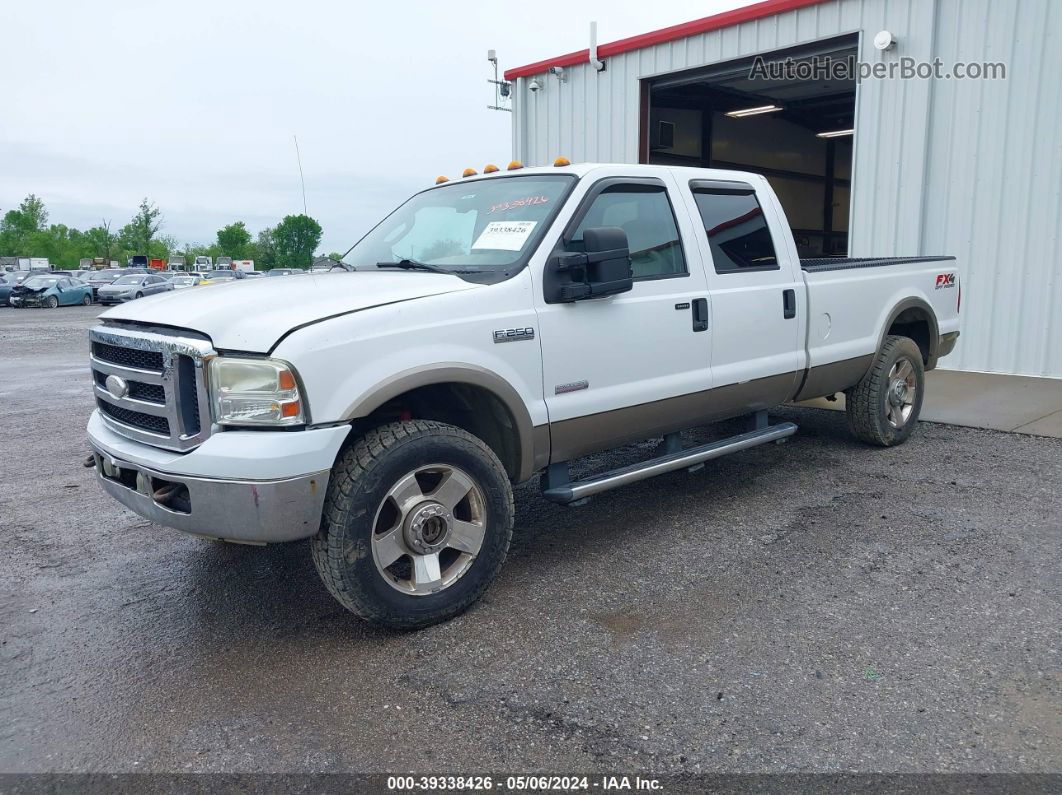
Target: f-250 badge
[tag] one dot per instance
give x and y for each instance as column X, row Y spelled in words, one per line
column 514, row 334
column 945, row 280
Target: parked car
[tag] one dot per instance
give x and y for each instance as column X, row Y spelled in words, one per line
column 182, row 281
column 285, row 272
column 98, row 279
column 253, row 274
column 394, row 412
column 8, row 281
column 51, row 290
column 132, row 286
column 221, row 277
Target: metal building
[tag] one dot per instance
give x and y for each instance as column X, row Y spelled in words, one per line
column 970, row 167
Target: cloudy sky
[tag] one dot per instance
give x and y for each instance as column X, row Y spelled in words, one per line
column 194, row 103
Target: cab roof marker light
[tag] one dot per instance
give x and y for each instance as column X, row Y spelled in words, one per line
column 756, row 111
column 514, row 165
column 835, row 133
column 560, row 162
column 441, row 180
column 468, row 172
column 490, row 168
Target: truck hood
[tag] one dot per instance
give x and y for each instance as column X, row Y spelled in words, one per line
column 253, row 314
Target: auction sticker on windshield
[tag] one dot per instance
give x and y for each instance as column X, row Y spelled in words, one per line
column 505, row 235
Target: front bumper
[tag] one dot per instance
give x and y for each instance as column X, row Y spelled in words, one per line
column 250, row 511
column 278, row 497
column 30, row 299
column 113, row 298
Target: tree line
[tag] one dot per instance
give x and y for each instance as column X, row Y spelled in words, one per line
column 26, row 232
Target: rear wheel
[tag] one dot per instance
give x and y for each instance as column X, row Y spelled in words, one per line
column 417, row 523
column 883, row 408
column 51, row 302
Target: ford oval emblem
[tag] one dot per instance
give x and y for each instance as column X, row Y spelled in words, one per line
column 118, row 387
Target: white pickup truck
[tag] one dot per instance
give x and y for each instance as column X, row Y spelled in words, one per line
column 494, row 328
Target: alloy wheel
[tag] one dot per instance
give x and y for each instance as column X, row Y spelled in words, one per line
column 428, row 529
column 901, row 394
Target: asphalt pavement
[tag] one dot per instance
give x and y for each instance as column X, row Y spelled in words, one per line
column 813, row 606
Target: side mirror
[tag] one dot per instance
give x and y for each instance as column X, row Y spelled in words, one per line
column 604, row 269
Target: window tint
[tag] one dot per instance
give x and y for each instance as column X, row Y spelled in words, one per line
column 737, row 232
column 645, row 214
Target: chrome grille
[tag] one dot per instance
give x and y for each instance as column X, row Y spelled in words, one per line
column 164, row 400
column 128, row 357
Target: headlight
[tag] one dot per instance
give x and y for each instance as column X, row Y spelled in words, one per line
column 254, row 392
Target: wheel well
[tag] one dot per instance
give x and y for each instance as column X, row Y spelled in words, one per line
column 472, row 408
column 914, row 323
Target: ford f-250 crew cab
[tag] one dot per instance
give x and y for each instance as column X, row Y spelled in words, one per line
column 494, row 328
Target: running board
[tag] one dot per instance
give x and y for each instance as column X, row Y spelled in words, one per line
column 683, row 459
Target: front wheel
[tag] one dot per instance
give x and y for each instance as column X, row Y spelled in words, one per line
column 138, row 295
column 51, row 302
column 417, row 523
column 86, row 301
column 883, row 408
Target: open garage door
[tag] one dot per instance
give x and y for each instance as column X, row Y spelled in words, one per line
column 796, row 129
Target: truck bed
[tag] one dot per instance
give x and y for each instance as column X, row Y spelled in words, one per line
column 821, row 264
column 853, row 301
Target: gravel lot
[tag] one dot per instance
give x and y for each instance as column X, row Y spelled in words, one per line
column 818, row 606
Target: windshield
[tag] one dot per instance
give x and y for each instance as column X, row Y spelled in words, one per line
column 40, row 282
column 129, row 280
column 478, row 226
column 183, row 280
column 106, row 274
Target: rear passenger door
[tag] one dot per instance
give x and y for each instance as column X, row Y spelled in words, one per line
column 611, row 365
column 757, row 300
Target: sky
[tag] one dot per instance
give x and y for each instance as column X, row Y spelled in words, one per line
column 195, row 104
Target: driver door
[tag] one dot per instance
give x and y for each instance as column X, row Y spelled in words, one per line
column 632, row 365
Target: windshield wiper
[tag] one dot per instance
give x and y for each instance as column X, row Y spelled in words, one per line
column 413, row 265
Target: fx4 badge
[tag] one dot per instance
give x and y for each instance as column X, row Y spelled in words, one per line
column 945, row 280
column 514, row 334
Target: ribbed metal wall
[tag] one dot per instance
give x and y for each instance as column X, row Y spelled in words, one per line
column 971, row 168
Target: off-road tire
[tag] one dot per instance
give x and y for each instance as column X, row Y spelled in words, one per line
column 362, row 475
column 866, row 402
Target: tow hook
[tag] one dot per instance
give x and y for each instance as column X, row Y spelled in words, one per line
column 89, row 462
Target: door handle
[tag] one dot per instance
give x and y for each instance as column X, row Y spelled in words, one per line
column 788, row 304
column 700, row 314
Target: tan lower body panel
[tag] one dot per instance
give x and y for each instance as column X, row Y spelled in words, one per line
column 827, row 379
column 584, row 435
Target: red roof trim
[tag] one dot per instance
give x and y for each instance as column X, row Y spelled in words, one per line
column 766, row 8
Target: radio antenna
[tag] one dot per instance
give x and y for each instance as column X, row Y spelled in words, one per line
column 302, row 179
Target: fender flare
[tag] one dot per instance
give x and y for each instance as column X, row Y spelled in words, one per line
column 923, row 306
column 533, row 440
